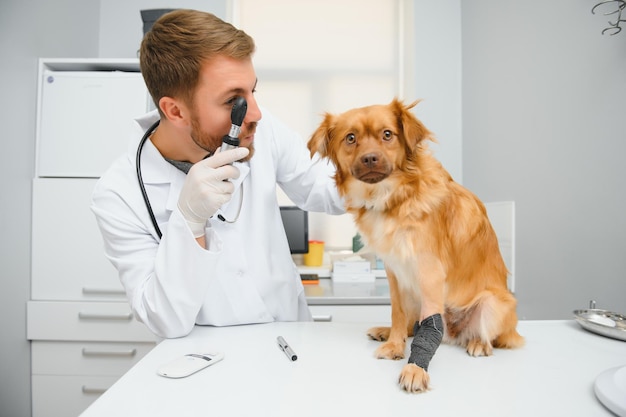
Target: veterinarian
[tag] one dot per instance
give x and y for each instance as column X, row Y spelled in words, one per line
column 216, row 253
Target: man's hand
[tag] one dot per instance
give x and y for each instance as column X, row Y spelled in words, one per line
column 207, row 188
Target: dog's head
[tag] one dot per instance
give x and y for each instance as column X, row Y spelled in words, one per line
column 369, row 144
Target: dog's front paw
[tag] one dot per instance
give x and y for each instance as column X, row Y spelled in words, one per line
column 379, row 333
column 477, row 347
column 390, row 350
column 414, row 379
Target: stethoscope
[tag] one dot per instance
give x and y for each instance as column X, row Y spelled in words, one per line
column 230, row 141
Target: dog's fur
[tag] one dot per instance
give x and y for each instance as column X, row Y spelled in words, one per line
column 440, row 252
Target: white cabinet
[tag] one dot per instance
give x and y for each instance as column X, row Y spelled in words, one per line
column 61, row 396
column 86, row 358
column 373, row 314
column 85, row 321
column 83, row 334
column 68, row 376
column 84, row 119
column 68, row 261
column 78, row 350
column 356, row 302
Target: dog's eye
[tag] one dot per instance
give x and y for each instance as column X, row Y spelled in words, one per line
column 350, row 138
column 387, row 134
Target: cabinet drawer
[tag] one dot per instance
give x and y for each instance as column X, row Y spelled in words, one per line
column 85, row 321
column 68, row 260
column 62, row 396
column 86, row 358
column 352, row 313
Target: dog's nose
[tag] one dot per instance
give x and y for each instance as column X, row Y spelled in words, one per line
column 370, row 160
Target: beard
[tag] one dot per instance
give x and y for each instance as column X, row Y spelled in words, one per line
column 211, row 143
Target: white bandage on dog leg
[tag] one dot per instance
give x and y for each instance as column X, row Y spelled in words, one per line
column 427, row 338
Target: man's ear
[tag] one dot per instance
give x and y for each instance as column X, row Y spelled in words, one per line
column 320, row 140
column 175, row 111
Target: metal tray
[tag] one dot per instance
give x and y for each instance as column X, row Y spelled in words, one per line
column 603, row 322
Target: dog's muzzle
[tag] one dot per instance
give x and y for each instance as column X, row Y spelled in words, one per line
column 371, row 168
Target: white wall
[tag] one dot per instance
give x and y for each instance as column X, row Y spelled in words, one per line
column 28, row 30
column 544, row 95
column 435, row 77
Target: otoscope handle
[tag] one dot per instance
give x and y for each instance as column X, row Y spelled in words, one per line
column 229, row 142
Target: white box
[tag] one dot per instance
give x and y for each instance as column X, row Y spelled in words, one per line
column 354, row 289
column 352, row 267
column 353, row 277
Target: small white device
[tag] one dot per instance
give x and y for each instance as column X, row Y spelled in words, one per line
column 189, row 364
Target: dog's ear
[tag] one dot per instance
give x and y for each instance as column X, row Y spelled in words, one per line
column 320, row 140
column 413, row 130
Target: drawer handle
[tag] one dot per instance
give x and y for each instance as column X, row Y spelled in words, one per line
column 91, row 352
column 92, row 390
column 320, row 318
column 104, row 291
column 96, row 316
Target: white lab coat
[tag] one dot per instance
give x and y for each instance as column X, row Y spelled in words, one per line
column 246, row 273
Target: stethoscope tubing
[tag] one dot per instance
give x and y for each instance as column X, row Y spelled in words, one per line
column 142, row 187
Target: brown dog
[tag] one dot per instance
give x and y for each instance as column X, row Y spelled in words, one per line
column 440, row 252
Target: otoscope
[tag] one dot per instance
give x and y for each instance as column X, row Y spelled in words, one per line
column 231, row 141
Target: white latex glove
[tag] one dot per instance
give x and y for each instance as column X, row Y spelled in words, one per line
column 207, row 188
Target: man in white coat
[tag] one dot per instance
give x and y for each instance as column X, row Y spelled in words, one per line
column 217, row 253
